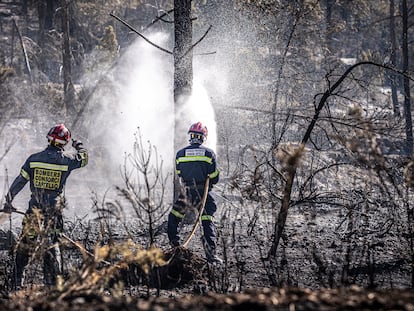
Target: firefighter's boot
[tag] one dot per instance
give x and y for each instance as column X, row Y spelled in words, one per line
column 211, row 254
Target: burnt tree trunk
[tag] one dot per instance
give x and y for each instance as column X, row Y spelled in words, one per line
column 45, row 10
column 183, row 69
column 68, row 88
column 393, row 76
column 183, row 61
column 406, row 83
column 330, row 5
column 292, row 169
column 407, row 112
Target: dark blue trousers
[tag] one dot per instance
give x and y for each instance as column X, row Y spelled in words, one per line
column 193, row 199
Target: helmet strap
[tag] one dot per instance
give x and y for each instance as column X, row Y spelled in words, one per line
column 196, row 138
column 52, row 142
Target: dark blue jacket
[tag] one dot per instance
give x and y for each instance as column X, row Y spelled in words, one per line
column 47, row 172
column 195, row 163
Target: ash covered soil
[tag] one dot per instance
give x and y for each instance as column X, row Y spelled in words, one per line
column 352, row 298
column 320, row 265
column 241, row 283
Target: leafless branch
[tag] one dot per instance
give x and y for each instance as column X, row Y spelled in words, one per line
column 160, row 18
column 139, row 34
column 198, row 41
column 281, row 220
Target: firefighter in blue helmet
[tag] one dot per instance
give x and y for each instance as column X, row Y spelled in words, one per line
column 46, row 171
column 194, row 164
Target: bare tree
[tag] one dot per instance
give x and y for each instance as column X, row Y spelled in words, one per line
column 292, row 162
column 183, row 61
column 68, row 88
column 183, row 70
column 145, row 186
column 406, row 83
column 46, row 10
column 393, row 76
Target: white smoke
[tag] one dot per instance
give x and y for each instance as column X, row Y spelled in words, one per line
column 199, row 109
column 143, row 100
column 138, row 93
column 141, row 97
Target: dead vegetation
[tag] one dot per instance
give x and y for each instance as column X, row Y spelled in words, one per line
column 353, row 298
column 350, row 222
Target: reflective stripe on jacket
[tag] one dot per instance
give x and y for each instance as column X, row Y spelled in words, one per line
column 47, row 172
column 195, row 163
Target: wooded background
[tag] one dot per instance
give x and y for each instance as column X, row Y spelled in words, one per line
column 312, row 102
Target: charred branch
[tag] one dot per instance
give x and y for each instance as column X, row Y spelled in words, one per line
column 139, row 34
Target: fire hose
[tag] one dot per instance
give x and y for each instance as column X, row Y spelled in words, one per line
column 184, row 244
column 200, row 213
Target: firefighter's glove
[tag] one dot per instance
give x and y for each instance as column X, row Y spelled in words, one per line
column 77, row 144
column 8, row 208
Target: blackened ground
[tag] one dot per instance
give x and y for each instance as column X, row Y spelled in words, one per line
column 353, row 298
column 302, row 268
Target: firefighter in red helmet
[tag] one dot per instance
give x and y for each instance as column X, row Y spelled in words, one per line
column 194, row 164
column 46, row 172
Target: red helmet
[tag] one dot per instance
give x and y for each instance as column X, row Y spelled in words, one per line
column 59, row 135
column 198, row 128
